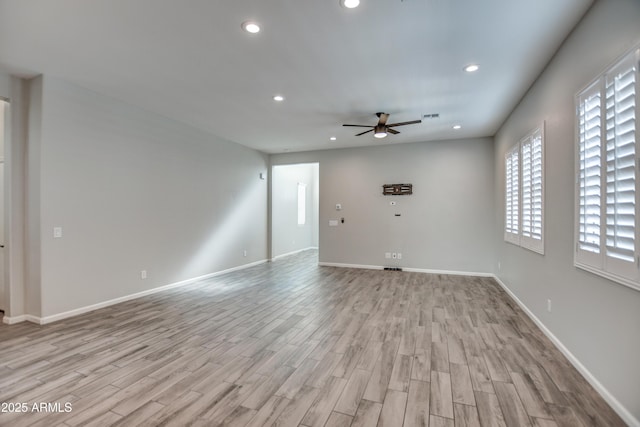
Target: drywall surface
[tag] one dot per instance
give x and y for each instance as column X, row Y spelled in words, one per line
column 135, row 191
column 597, row 320
column 288, row 235
column 33, row 290
column 446, row 224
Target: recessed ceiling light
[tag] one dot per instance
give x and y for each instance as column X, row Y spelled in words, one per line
column 471, row 68
column 349, row 4
column 333, row 138
column 278, row 98
column 456, row 127
column 251, row 27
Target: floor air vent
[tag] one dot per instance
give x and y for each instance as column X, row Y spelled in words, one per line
column 393, row 268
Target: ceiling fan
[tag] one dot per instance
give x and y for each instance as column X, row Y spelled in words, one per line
column 382, row 128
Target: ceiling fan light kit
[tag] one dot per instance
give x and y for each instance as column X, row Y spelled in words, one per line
column 380, row 132
column 350, row 4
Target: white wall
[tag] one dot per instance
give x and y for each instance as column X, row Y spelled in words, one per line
column 287, row 235
column 447, row 224
column 133, row 190
column 596, row 319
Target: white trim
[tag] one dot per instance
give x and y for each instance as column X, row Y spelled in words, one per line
column 516, row 237
column 293, row 252
column 337, row 264
column 626, row 416
column 608, row 275
column 19, row 319
column 13, row 320
column 601, row 263
column 449, row 272
column 407, row 269
column 88, row 308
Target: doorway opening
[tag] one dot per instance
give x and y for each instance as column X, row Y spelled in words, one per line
column 295, row 209
column 3, row 281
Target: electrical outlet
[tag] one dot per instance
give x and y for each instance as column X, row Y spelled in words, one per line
column 57, row 232
column 244, row 253
column 394, row 255
column 399, row 255
column 549, row 305
column 387, row 255
column 499, row 266
column 143, row 274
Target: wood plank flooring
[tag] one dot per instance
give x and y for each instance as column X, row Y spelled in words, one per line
column 292, row 344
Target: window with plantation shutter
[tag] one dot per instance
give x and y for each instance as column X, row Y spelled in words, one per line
column 512, row 200
column 524, row 174
column 590, row 174
column 607, row 180
column 532, row 191
column 621, row 169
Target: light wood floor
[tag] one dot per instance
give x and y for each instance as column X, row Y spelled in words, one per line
column 290, row 343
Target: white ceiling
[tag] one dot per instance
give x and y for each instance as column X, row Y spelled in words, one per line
column 191, row 61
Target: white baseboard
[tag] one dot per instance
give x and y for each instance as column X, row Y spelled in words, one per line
column 626, row 416
column 337, row 264
column 293, row 253
column 13, row 320
column 88, row 308
column 449, row 272
column 19, row 319
column 409, row 269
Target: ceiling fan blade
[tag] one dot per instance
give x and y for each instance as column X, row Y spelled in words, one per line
column 366, row 131
column 413, row 122
column 393, row 131
column 383, row 118
column 360, row 126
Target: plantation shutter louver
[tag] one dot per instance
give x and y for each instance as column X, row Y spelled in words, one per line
column 620, row 133
column 512, row 190
column 590, row 175
column 532, row 191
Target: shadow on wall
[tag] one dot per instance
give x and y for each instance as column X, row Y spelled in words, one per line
column 215, row 248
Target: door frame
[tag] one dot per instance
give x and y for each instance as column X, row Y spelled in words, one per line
column 270, row 222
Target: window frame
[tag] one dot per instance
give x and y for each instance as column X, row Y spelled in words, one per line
column 518, row 237
column 602, row 262
column 512, row 198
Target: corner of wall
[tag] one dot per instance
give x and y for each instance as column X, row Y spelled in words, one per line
column 34, row 134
